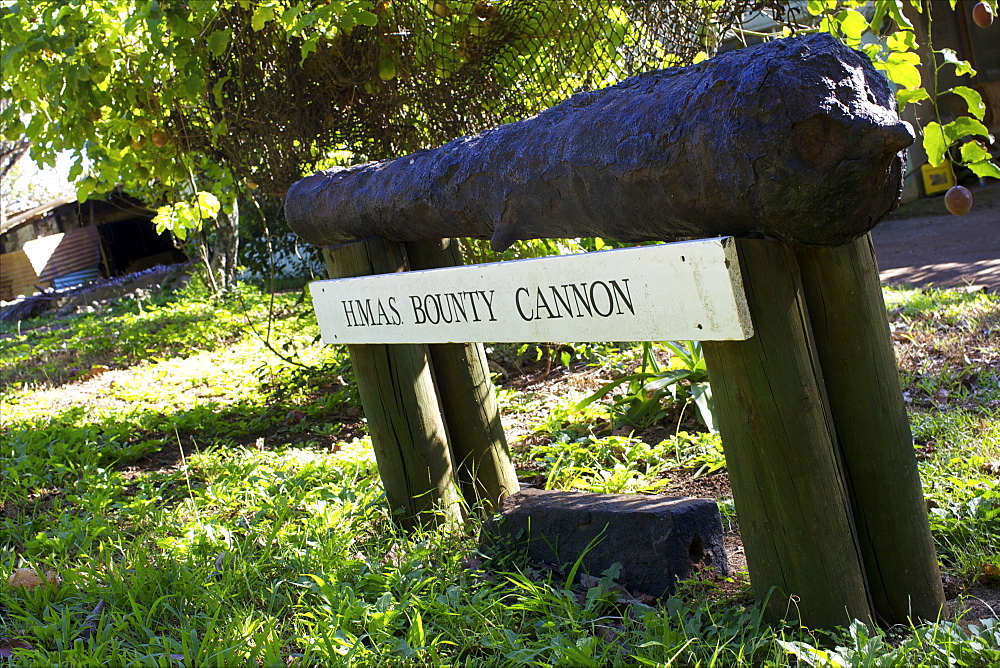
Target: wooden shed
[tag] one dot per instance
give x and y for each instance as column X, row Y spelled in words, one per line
column 65, row 243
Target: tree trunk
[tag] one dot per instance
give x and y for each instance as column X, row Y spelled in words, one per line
column 225, row 248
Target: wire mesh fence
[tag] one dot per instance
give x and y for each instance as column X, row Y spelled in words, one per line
column 433, row 70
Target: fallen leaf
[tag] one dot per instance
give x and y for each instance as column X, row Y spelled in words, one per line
column 29, row 578
column 94, row 372
column 90, row 623
column 990, row 573
column 8, row 646
column 991, row 467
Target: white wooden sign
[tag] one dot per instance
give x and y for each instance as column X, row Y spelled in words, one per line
column 689, row 290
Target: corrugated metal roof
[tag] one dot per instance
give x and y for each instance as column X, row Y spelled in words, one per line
column 38, row 211
column 63, row 253
column 17, row 276
column 47, row 258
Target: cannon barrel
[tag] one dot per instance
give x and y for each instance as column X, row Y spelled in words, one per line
column 795, row 139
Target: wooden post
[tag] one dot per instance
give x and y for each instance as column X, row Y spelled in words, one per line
column 400, row 401
column 461, row 374
column 862, row 382
column 784, row 467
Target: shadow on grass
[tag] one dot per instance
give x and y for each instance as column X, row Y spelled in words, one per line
column 49, row 452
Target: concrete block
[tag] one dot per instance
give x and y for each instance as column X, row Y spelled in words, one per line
column 656, row 539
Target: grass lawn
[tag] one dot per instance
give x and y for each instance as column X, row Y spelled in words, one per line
column 191, row 482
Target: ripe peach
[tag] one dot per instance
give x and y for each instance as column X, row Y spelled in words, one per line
column 958, row 200
column 982, row 14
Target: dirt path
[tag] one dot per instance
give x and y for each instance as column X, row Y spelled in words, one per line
column 923, row 245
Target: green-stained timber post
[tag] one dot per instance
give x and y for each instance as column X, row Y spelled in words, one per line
column 401, row 405
column 862, row 383
column 462, row 377
column 784, row 466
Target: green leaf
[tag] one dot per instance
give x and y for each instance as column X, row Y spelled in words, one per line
column 817, row 7
column 984, row 169
column 934, row 143
column 308, row 47
column 290, row 15
column 104, row 56
column 218, row 41
column 900, row 72
column 962, row 126
column 666, row 379
column 853, row 24
column 209, row 204
column 972, row 151
column 895, row 10
column 218, row 89
column 973, row 99
column 962, row 67
column 905, row 97
column 904, row 57
column 876, row 23
column 702, row 395
column 873, row 50
column 902, row 69
column 261, row 15
column 84, row 188
column 193, row 85
column 364, row 17
column 901, row 40
column 75, row 170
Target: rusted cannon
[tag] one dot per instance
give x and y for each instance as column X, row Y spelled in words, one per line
column 796, row 139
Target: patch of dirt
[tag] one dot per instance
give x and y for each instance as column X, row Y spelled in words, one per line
column 921, row 244
column 978, row 603
column 714, row 486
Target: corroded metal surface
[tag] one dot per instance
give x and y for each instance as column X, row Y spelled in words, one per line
column 796, row 139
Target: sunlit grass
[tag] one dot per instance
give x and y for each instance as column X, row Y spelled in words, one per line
column 265, row 540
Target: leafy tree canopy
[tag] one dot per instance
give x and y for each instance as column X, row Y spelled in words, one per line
column 183, row 95
column 897, row 52
column 170, row 98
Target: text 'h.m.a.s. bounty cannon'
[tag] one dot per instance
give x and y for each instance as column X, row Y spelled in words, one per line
column 778, row 159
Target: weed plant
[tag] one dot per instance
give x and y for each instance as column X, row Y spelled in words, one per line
column 193, row 518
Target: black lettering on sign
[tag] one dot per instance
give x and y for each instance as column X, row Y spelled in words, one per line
column 397, row 318
column 349, row 313
column 625, row 296
column 456, row 306
column 419, row 315
column 594, row 294
column 582, row 300
column 451, row 307
column 365, row 314
column 429, row 301
column 489, row 303
column 517, row 302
